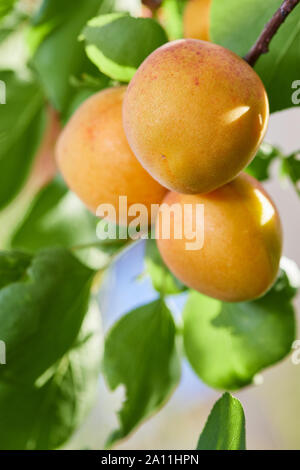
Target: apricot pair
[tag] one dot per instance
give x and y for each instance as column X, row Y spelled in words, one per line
column 194, row 115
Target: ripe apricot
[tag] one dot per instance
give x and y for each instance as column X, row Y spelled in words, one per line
column 194, row 115
column 95, row 159
column 242, row 245
column 196, row 19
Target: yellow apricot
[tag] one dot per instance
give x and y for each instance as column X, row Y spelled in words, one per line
column 242, row 242
column 95, row 158
column 194, row 115
column 196, row 19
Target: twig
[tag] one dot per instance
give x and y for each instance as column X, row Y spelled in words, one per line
column 262, row 44
column 153, row 5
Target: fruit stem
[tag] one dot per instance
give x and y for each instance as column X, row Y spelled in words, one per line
column 153, row 5
column 261, row 46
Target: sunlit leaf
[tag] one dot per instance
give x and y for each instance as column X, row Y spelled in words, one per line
column 225, row 426
column 140, row 353
column 227, row 344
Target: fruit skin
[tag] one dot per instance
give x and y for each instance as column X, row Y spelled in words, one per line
column 95, row 159
column 196, row 19
column 194, row 115
column 242, row 245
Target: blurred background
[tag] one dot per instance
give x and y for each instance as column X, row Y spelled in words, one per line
column 272, row 406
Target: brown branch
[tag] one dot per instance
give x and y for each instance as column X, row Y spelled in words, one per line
column 262, row 44
column 153, row 5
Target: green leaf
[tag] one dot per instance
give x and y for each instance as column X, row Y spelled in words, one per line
column 115, row 244
column 4, row 33
column 52, row 360
column 238, row 28
column 290, row 168
column 172, row 13
column 288, row 280
column 140, row 353
column 261, row 165
column 56, row 217
column 58, row 54
column 84, row 87
column 12, row 267
column 162, row 279
column 42, row 306
column 12, row 23
column 228, row 343
column 79, row 97
column 6, row 6
column 225, row 426
column 45, row 414
column 22, row 122
column 118, row 43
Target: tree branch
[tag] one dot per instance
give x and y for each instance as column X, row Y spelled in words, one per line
column 262, row 44
column 153, row 5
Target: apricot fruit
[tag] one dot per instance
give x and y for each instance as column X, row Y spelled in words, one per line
column 194, row 115
column 242, row 242
column 196, row 19
column 96, row 161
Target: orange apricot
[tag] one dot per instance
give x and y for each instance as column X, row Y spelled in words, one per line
column 196, row 19
column 242, row 240
column 194, row 115
column 95, row 158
